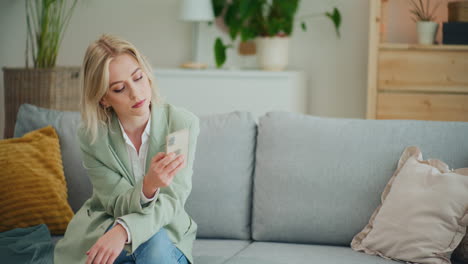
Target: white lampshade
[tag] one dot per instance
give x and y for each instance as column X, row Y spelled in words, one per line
column 196, row 10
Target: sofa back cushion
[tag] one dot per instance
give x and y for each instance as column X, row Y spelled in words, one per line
column 31, row 117
column 221, row 198
column 318, row 180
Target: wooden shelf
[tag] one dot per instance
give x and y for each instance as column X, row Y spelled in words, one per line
column 414, row 81
column 404, row 46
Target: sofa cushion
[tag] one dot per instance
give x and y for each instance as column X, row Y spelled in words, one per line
column 328, row 173
column 282, row 253
column 220, row 202
column 216, row 251
column 208, row 251
column 223, row 167
column 423, row 202
column 31, row 117
column 33, row 189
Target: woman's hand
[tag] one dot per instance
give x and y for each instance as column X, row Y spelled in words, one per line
column 108, row 247
column 161, row 172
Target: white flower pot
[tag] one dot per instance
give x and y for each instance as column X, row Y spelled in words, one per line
column 427, row 31
column 272, row 53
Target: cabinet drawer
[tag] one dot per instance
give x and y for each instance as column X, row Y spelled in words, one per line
column 422, row 106
column 423, row 71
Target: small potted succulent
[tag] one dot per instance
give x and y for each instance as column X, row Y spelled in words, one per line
column 424, row 16
column 269, row 23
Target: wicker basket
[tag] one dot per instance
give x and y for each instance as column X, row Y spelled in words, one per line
column 55, row 88
column 458, row 11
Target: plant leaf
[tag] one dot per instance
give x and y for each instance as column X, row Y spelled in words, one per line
column 243, row 9
column 220, row 52
column 417, row 10
column 422, row 7
column 218, row 6
column 336, row 19
column 432, row 15
column 303, row 26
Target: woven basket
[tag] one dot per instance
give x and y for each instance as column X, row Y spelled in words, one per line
column 55, row 88
column 458, row 11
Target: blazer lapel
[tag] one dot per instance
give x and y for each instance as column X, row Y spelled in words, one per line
column 158, row 132
column 119, row 150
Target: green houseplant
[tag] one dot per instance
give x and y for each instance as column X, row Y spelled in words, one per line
column 47, row 21
column 44, row 84
column 261, row 19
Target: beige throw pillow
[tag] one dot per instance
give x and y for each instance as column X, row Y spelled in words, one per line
column 423, row 215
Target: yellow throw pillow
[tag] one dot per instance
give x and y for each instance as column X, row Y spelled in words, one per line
column 33, row 189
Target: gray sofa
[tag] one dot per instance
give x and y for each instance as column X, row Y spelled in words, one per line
column 290, row 189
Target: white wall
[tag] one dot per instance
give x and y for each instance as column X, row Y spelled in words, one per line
column 336, row 68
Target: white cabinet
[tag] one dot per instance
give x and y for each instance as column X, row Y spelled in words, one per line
column 206, row 92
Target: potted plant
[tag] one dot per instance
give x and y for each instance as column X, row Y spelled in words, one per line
column 269, row 22
column 424, row 17
column 44, row 84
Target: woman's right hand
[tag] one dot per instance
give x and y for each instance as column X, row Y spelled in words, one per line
column 108, row 247
column 161, row 172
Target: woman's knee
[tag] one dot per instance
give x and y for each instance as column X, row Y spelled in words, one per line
column 160, row 237
column 159, row 247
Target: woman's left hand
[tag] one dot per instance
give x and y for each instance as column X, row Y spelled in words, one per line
column 108, row 247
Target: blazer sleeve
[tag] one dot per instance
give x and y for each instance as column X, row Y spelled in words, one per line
column 116, row 195
column 171, row 200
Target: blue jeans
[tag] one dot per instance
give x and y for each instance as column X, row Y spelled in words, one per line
column 159, row 249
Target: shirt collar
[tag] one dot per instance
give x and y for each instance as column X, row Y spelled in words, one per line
column 144, row 136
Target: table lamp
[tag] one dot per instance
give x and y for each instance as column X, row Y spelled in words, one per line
column 196, row 11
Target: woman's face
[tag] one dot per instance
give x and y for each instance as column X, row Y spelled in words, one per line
column 129, row 91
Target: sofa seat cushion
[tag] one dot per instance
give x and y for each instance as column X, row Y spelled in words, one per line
column 216, row 251
column 286, row 253
column 208, row 251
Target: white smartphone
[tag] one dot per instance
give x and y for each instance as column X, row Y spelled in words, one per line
column 178, row 142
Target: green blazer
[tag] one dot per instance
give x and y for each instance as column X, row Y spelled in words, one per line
column 116, row 194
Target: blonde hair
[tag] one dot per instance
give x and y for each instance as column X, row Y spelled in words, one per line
column 95, row 80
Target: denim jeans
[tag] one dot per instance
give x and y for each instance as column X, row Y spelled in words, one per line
column 159, row 249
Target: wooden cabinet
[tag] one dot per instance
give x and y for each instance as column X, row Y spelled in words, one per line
column 411, row 81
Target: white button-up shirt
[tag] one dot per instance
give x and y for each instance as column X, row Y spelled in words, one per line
column 138, row 163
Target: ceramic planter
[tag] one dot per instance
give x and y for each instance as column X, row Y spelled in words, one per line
column 427, row 31
column 272, row 53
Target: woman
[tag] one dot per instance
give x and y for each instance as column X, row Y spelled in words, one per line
column 136, row 212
